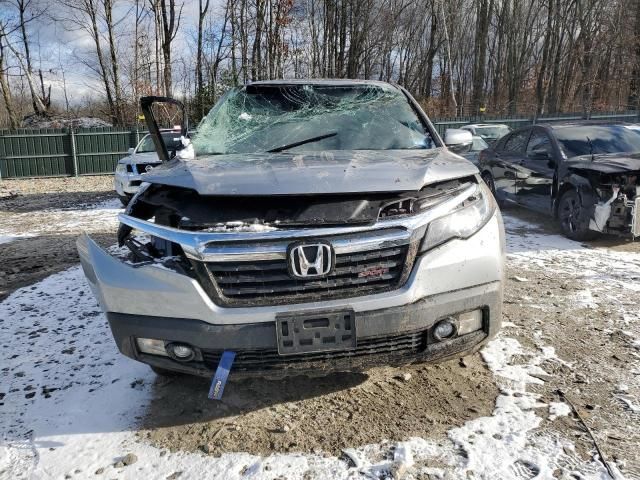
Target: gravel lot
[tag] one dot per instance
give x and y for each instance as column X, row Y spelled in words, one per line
column 51, row 211
column 563, row 377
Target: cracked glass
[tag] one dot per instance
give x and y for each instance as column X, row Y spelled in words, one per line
column 301, row 118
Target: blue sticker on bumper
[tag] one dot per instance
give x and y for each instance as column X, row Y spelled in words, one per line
column 222, row 373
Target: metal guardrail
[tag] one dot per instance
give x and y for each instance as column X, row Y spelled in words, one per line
column 95, row 151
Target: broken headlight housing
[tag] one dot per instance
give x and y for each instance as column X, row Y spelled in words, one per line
column 463, row 221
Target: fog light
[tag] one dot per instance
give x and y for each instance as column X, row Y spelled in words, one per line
column 181, row 352
column 444, row 329
column 152, row 346
column 469, row 322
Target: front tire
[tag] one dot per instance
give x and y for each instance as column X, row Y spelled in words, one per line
column 124, row 199
column 487, row 178
column 574, row 217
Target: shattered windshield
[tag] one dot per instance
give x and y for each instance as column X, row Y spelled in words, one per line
column 297, row 118
column 588, row 139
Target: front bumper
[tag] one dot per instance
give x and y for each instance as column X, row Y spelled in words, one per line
column 391, row 336
column 126, row 184
column 152, row 301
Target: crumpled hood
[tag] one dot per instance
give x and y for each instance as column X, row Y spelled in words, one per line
column 327, row 172
column 606, row 163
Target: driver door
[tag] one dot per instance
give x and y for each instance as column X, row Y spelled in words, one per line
column 505, row 167
column 533, row 186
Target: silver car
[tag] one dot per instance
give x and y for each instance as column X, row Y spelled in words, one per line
column 140, row 160
column 321, row 225
column 477, row 146
column 490, row 132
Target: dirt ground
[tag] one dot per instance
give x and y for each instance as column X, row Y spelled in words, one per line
column 564, row 304
column 23, row 208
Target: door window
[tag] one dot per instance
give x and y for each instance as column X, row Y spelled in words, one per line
column 516, row 142
column 539, row 142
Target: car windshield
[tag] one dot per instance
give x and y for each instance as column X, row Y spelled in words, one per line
column 492, row 132
column 297, row 118
column 588, row 139
column 171, row 140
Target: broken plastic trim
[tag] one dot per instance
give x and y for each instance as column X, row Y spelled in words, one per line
column 194, row 244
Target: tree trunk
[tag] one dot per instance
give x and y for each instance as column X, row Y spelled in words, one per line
column 6, row 90
column 119, row 104
column 545, row 59
column 485, row 8
column 634, row 85
column 202, row 12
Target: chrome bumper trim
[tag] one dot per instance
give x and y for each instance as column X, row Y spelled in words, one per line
column 202, row 245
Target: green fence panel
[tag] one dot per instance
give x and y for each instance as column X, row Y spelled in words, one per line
column 98, row 149
column 35, row 153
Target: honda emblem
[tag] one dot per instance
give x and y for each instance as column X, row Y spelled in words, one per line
column 311, row 260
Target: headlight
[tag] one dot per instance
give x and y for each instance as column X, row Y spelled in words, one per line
column 121, row 168
column 462, row 222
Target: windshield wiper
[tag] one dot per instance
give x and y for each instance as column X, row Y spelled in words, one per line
column 302, row 142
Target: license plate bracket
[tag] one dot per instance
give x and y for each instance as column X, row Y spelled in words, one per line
column 315, row 331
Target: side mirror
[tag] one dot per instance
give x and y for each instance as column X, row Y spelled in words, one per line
column 130, row 151
column 457, row 140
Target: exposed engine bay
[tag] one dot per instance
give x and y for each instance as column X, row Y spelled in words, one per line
column 185, row 209
column 617, row 210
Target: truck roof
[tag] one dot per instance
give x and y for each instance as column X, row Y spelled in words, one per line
column 321, row 81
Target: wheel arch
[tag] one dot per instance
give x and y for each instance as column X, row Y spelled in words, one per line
column 574, row 182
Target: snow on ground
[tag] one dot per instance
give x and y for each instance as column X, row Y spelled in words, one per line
column 609, row 274
column 69, row 400
column 102, row 216
column 11, row 238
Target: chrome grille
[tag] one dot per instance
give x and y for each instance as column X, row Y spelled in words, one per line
column 268, row 282
column 142, row 167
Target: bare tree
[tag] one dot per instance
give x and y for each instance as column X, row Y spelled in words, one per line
column 4, row 83
column 202, row 14
column 169, row 18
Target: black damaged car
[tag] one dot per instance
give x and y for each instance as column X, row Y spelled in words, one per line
column 584, row 173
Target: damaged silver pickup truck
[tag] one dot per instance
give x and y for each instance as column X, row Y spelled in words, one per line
column 310, row 226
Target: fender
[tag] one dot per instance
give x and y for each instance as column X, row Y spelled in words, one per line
column 581, row 184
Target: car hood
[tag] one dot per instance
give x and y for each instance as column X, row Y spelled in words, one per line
column 327, row 172
column 606, row 163
column 147, row 157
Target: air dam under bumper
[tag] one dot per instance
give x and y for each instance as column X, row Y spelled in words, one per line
column 392, row 336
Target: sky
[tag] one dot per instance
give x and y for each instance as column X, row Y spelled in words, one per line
column 56, row 46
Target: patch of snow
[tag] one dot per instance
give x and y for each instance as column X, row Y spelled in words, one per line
column 584, row 299
column 558, row 409
column 99, row 217
column 12, row 238
column 629, row 403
